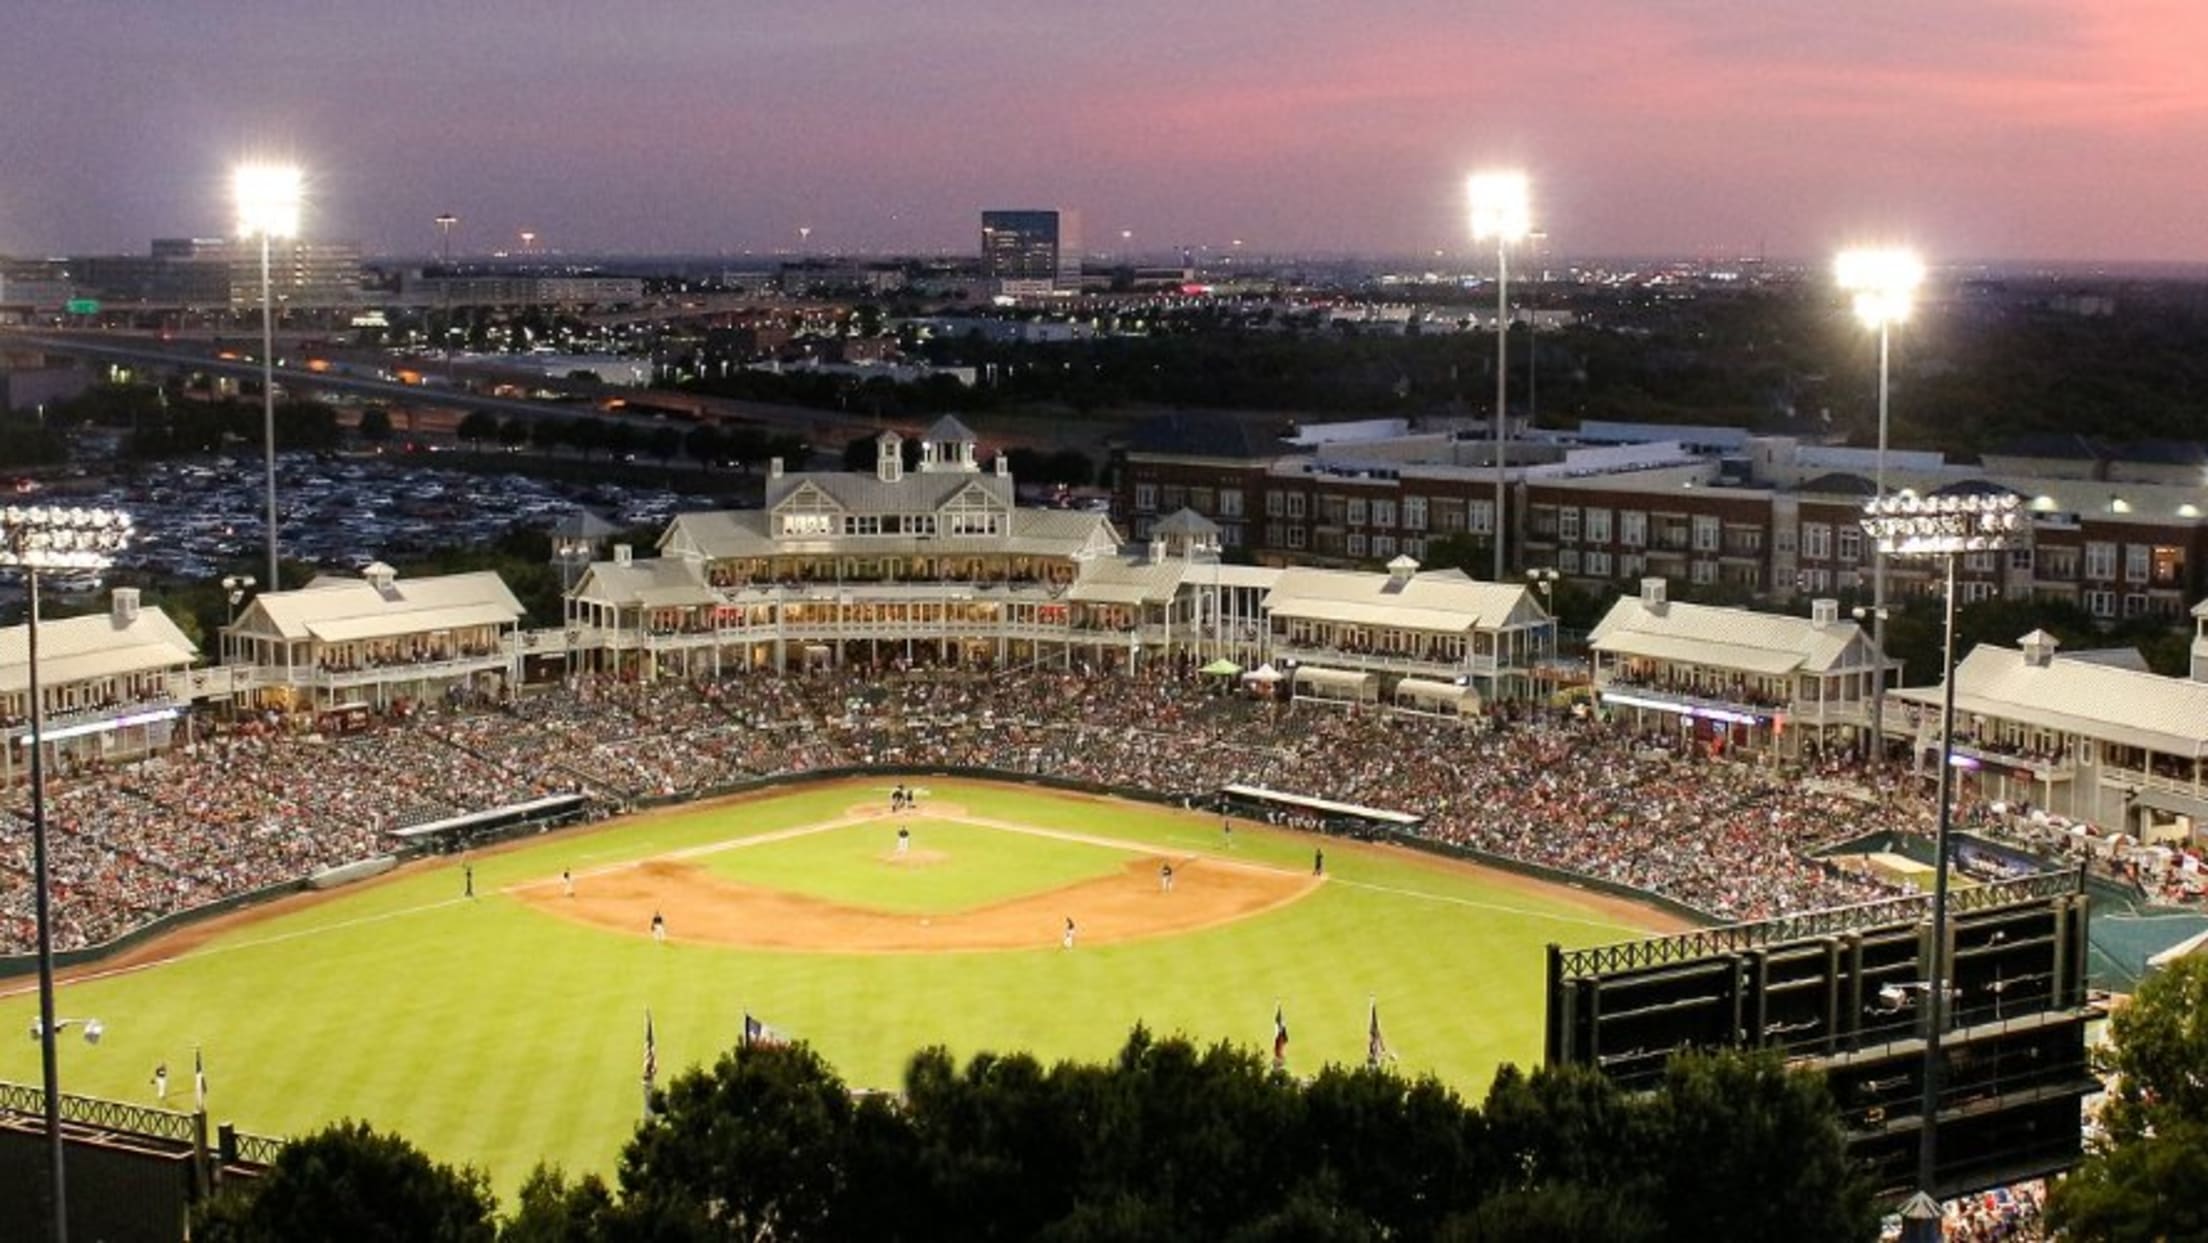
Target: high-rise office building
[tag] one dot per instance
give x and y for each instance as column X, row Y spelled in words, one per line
column 1037, row 245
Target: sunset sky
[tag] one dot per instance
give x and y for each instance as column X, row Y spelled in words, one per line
column 1976, row 129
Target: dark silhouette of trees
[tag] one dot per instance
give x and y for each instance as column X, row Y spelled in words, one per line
column 349, row 1183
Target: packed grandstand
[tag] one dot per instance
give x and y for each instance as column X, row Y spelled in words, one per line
column 249, row 804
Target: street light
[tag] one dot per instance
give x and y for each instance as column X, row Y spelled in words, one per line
column 268, row 207
column 1884, row 282
column 1499, row 210
column 445, row 221
column 234, row 587
column 33, row 539
column 1947, row 527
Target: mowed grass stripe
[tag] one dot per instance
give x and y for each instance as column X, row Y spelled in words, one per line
column 490, row 1033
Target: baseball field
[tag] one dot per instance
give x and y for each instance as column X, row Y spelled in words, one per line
column 506, row 1026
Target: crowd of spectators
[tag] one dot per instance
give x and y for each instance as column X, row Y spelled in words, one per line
column 250, row 805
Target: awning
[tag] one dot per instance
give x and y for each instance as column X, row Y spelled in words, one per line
column 1437, row 692
column 1221, row 668
column 1264, row 673
column 1362, row 613
column 1338, row 679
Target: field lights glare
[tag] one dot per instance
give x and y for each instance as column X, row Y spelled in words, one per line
column 1906, row 525
column 1501, row 206
column 267, row 199
column 1884, row 283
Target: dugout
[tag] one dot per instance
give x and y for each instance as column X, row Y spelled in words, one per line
column 1303, row 811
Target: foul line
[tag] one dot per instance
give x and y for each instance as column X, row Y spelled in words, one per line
column 109, row 973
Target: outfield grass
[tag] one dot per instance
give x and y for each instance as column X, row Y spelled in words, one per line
column 492, row 1033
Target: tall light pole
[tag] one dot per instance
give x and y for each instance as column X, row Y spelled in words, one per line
column 445, row 221
column 1500, row 211
column 1884, row 283
column 268, row 207
column 34, row 539
column 1947, row 527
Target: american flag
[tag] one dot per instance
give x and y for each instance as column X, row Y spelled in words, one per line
column 199, row 1082
column 651, row 1051
column 1376, row 1046
column 1280, row 1037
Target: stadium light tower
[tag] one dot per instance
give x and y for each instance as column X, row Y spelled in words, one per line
column 1946, row 527
column 1884, row 283
column 34, row 539
column 1500, row 211
column 268, row 207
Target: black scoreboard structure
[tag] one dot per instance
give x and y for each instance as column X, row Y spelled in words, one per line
column 1845, row 992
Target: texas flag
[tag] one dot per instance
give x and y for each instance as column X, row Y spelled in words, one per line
column 1280, row 1038
column 199, row 1082
column 651, row 1051
column 1376, row 1046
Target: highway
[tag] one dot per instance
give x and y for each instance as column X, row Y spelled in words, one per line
column 820, row 427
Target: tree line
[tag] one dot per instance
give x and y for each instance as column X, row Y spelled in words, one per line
column 1165, row 1141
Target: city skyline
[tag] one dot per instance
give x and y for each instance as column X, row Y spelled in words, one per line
column 1703, row 128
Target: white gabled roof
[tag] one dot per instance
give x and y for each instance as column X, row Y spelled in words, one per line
column 729, row 533
column 1441, row 601
column 1728, row 638
column 654, row 582
column 80, row 649
column 2082, row 697
column 357, row 609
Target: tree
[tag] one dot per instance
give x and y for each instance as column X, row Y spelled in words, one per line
column 1747, row 1149
column 664, row 444
column 550, row 1209
column 2142, row 1180
column 754, row 1148
column 705, row 444
column 347, row 1182
column 514, row 432
column 476, row 427
column 375, row 425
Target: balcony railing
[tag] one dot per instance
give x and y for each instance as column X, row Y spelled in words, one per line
column 1377, row 662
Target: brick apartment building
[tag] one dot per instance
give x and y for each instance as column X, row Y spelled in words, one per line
column 1772, row 518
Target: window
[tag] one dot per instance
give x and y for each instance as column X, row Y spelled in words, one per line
column 2058, row 564
column 808, row 524
column 1173, row 496
column 1541, row 522
column 1978, row 562
column 1295, row 537
column 1146, row 498
column 1230, row 535
column 2101, row 603
column 1357, row 510
column 1817, row 541
column 1705, row 533
column 1741, row 541
column 1356, row 543
column 1203, row 500
column 1295, row 504
column 1332, row 510
column 1383, row 513
column 1275, row 502
column 1448, row 516
column 2020, row 560
column 1414, row 513
column 2135, row 604
column 2100, row 562
column 1632, row 565
column 1848, row 545
column 1975, row 592
column 1598, row 525
column 1480, row 517
column 1414, row 547
column 1230, row 502
column 2169, row 565
column 1703, row 572
column 1383, row 546
column 1816, row 582
column 1598, row 564
column 862, row 524
column 2136, row 557
column 1567, row 561
column 1633, row 528
column 1567, row 523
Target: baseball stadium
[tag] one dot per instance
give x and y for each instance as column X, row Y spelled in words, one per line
column 893, row 763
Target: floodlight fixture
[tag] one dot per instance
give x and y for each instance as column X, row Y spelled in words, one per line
column 51, row 537
column 267, row 198
column 1884, row 281
column 1905, row 525
column 1501, row 206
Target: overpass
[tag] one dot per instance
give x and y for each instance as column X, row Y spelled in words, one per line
column 820, row 427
